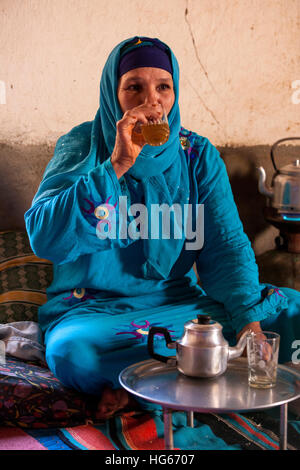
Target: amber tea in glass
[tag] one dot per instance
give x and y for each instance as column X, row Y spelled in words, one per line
column 155, row 132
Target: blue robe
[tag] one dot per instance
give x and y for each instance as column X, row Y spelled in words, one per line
column 107, row 291
column 100, row 307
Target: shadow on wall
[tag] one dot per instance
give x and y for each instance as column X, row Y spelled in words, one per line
column 22, row 168
column 242, row 166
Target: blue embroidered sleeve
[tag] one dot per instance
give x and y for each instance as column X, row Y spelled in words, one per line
column 226, row 264
column 76, row 209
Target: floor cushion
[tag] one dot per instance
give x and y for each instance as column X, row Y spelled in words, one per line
column 31, row 397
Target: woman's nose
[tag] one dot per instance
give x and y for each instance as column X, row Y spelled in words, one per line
column 152, row 98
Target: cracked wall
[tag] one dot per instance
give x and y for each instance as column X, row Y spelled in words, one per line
column 239, row 60
column 240, row 84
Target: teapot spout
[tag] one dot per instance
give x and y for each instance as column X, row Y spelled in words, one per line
column 262, row 187
column 237, row 351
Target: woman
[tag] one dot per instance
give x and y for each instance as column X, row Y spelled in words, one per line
column 107, row 290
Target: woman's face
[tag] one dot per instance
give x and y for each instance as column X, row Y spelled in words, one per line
column 146, row 85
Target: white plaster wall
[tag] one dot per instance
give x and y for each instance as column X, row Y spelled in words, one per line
column 239, row 62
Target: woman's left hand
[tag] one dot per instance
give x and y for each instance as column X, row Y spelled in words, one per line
column 256, row 328
column 253, row 326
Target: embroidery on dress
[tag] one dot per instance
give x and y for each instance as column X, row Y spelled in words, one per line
column 101, row 215
column 187, row 141
column 140, row 331
column 80, row 294
column 275, row 290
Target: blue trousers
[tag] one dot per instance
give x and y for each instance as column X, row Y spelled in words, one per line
column 88, row 350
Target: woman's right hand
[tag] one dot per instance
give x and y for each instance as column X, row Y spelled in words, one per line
column 129, row 144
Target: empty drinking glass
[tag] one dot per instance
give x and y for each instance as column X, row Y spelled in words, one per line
column 262, row 352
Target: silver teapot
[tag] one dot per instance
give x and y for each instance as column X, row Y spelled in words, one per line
column 284, row 194
column 202, row 351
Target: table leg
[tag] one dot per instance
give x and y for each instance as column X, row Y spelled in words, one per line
column 168, row 430
column 283, row 426
column 190, row 419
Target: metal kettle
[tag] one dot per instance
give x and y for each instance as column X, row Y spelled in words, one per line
column 284, row 194
column 202, row 351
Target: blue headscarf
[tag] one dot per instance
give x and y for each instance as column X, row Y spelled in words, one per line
column 162, row 170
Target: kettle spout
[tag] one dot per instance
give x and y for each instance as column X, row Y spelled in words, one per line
column 237, row 351
column 262, row 187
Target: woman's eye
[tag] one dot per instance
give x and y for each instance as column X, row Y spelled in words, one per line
column 164, row 86
column 134, row 88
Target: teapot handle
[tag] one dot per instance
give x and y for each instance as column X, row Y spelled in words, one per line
column 170, row 344
column 275, row 144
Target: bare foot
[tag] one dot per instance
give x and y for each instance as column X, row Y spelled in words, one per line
column 112, row 401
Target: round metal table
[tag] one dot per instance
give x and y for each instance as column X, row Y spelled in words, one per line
column 163, row 384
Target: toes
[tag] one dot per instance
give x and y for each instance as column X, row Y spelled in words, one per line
column 111, row 401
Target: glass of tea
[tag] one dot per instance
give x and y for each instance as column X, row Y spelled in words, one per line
column 155, row 133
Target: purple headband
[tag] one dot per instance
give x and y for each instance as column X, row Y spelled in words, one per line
column 145, row 56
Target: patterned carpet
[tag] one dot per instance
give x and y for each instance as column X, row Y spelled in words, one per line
column 38, row 413
column 144, row 431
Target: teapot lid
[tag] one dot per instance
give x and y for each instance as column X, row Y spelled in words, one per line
column 203, row 323
column 292, row 169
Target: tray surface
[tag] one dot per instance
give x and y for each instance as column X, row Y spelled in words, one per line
column 163, row 384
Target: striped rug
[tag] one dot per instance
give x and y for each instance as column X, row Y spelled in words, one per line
column 144, row 431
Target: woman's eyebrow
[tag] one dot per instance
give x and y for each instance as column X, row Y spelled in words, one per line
column 130, row 79
column 140, row 79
